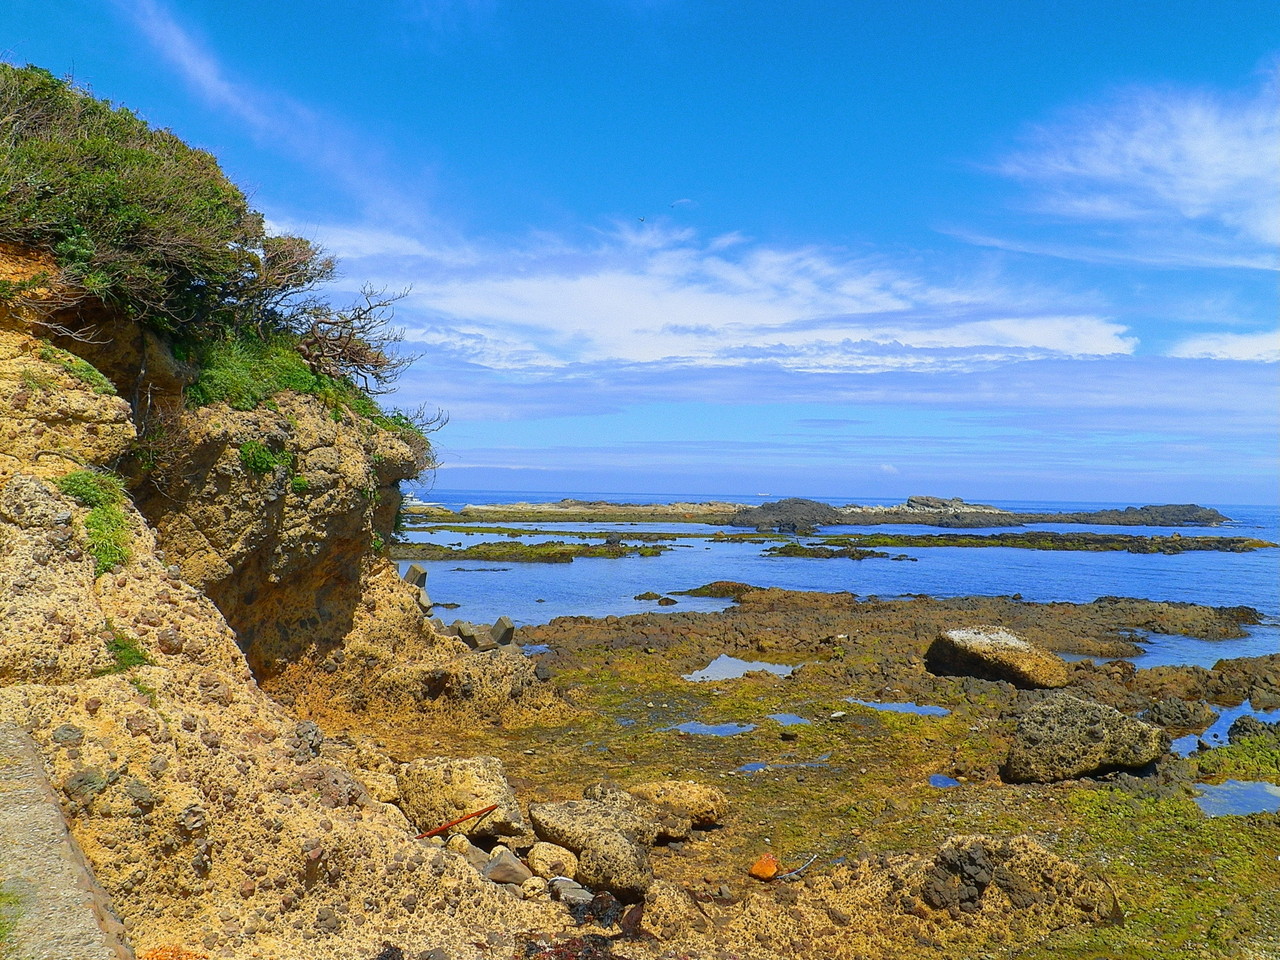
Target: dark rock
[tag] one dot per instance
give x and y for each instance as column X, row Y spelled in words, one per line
column 68, row 735
column 1064, row 737
column 793, row 515
column 1247, row 726
column 1180, row 714
column 503, row 631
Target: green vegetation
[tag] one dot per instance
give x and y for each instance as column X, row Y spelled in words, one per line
column 1250, row 758
column 299, row 484
column 124, row 650
column 131, row 214
column 82, row 370
column 246, row 372
column 93, row 489
column 258, row 458
column 851, row 544
column 144, row 689
column 106, row 526
column 10, row 908
column 152, row 227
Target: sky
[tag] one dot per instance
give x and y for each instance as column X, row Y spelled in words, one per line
column 997, row 250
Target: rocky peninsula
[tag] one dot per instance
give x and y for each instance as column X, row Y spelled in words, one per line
column 793, row 515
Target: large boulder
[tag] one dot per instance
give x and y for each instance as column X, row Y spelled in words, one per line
column 614, row 863
column 436, row 790
column 993, row 653
column 610, row 839
column 1065, row 737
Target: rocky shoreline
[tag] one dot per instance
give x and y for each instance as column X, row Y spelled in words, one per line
column 264, row 746
column 801, row 515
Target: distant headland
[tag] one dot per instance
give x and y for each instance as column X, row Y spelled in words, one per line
column 798, row 515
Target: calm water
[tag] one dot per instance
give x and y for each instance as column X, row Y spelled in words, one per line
column 535, row 593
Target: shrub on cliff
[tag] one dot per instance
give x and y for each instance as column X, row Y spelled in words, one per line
column 153, row 227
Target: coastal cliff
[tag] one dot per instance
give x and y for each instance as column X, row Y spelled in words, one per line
column 212, row 817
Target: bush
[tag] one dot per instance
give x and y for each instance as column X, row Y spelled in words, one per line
column 131, row 214
column 258, row 458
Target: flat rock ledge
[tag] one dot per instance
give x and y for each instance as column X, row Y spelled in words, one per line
column 993, row 653
column 61, row 912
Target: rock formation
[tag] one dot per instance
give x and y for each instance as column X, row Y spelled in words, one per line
column 1066, row 737
column 993, row 653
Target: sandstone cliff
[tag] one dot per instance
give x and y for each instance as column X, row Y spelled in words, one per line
column 216, row 820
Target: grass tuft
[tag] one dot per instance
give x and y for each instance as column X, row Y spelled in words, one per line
column 106, row 526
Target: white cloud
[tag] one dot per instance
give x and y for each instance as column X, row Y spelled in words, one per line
column 1176, row 175
column 653, row 294
column 1263, row 346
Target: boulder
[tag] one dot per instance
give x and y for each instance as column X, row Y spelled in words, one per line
column 575, row 823
column 704, row 806
column 1180, row 714
column 503, row 631
column 549, row 860
column 615, row 863
column 993, row 653
column 505, row 867
column 1064, row 737
column 435, row 790
column 669, row 825
column 610, row 841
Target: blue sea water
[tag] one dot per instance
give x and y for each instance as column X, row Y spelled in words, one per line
column 534, row 593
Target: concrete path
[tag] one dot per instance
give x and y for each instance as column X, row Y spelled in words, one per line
column 62, row 913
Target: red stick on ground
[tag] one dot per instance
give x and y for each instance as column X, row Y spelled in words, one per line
column 453, row 823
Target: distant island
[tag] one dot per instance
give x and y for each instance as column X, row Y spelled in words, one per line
column 798, row 515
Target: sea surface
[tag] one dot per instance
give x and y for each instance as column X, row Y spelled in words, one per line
column 534, row 593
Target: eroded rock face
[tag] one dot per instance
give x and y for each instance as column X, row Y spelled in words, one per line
column 280, row 549
column 436, row 790
column 993, row 653
column 1065, row 737
column 51, row 420
column 191, row 793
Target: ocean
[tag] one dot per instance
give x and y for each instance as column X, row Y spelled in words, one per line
column 534, row 593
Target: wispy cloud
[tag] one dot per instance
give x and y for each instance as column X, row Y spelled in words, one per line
column 664, row 295
column 1263, row 346
column 1157, row 175
column 306, row 135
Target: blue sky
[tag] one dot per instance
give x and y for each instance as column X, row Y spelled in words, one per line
column 993, row 250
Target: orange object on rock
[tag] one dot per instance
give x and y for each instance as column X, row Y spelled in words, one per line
column 766, row 868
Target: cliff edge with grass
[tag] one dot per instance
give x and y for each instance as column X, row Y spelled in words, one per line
column 196, row 487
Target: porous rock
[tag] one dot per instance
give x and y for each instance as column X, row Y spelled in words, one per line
column 549, row 860
column 993, row 653
column 1180, row 714
column 704, row 806
column 435, row 790
column 1064, row 737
